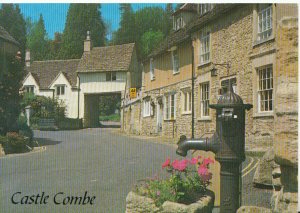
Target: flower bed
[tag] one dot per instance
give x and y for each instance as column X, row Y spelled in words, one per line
column 184, row 190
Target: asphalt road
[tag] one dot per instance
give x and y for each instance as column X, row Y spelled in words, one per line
column 97, row 161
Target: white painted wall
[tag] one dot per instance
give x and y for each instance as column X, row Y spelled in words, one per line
column 95, row 83
column 69, row 98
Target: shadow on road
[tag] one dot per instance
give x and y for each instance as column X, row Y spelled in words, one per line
column 47, row 141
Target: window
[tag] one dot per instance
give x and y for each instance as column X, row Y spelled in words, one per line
column 111, row 76
column 204, row 47
column 60, row 90
column 29, row 89
column 204, row 87
column 152, row 77
column 147, row 108
column 170, row 107
column 264, row 21
column 175, row 61
column 187, row 101
column 204, row 8
column 265, row 89
column 225, row 85
column 177, row 23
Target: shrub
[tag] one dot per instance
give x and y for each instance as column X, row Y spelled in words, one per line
column 70, row 123
column 184, row 185
column 24, row 129
column 15, row 143
column 43, row 107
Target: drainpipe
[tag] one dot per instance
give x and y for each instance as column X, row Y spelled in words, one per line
column 193, row 90
column 78, row 96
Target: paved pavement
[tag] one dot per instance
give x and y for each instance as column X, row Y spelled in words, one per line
column 99, row 161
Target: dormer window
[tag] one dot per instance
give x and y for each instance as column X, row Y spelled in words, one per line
column 204, row 8
column 60, row 90
column 29, row 89
column 177, row 22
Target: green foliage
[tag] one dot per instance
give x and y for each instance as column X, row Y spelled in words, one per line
column 43, row 107
column 149, row 41
column 108, row 104
column 70, row 123
column 14, row 143
column 11, row 74
column 80, row 19
column 113, row 117
column 24, row 129
column 13, row 22
column 184, row 185
column 37, row 40
column 134, row 25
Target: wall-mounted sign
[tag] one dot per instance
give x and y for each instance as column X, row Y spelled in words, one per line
column 132, row 92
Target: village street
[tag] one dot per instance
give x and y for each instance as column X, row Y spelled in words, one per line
column 102, row 162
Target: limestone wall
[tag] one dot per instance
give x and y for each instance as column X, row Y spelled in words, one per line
column 286, row 117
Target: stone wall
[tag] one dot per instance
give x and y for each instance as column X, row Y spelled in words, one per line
column 170, row 128
column 232, row 42
column 286, row 117
column 131, row 120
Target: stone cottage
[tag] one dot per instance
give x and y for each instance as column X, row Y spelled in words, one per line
column 78, row 83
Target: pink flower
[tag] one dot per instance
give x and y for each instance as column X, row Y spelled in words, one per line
column 158, row 193
column 180, row 165
column 207, row 161
column 166, row 163
column 202, row 170
column 194, row 161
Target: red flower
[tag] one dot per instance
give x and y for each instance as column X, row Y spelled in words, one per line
column 207, row 161
column 194, row 161
column 180, row 165
column 166, row 163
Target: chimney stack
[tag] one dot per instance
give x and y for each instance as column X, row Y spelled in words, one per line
column 87, row 42
column 27, row 58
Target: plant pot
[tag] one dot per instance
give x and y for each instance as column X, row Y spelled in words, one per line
column 141, row 204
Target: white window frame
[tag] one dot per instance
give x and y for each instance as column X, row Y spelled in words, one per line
column 58, row 90
column 113, row 76
column 152, row 67
column 204, row 8
column 170, row 106
column 147, row 108
column 186, row 101
column 265, row 89
column 204, row 46
column 177, row 22
column 175, row 61
column 29, row 89
column 204, row 99
column 264, row 22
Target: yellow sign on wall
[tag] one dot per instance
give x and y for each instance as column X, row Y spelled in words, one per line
column 132, row 92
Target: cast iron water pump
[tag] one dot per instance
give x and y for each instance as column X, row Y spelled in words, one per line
column 228, row 143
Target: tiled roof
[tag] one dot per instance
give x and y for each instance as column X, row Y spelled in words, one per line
column 171, row 40
column 181, row 35
column 6, row 36
column 110, row 58
column 218, row 10
column 187, row 8
column 45, row 72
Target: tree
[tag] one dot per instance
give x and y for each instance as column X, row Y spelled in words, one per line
column 80, row 19
column 37, row 40
column 10, row 83
column 126, row 33
column 13, row 22
column 149, row 40
column 54, row 46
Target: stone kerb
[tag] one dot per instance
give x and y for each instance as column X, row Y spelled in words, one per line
column 140, row 204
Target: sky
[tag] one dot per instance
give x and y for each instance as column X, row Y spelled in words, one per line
column 55, row 14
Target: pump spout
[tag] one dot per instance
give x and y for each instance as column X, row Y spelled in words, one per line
column 205, row 144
